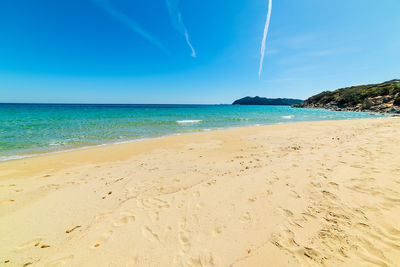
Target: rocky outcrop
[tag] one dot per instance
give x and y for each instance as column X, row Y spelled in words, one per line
column 384, row 98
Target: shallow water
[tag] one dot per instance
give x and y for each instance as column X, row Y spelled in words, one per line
column 27, row 129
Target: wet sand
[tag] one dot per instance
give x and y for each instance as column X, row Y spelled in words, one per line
column 301, row 194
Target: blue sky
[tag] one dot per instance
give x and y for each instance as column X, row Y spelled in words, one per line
column 135, row 51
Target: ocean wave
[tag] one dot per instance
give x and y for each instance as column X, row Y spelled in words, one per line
column 188, row 121
column 14, row 157
column 56, row 143
column 288, row 117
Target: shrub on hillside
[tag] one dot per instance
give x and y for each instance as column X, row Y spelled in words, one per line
column 397, row 100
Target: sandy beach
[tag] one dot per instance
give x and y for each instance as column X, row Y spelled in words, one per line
column 301, row 194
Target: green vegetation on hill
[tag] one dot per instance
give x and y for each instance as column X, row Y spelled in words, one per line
column 373, row 97
column 267, row 101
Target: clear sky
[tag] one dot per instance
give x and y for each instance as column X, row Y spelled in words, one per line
column 138, row 51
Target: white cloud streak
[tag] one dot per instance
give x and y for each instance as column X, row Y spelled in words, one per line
column 128, row 22
column 263, row 45
column 177, row 22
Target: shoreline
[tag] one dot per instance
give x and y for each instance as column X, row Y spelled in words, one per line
column 144, row 139
column 25, row 156
column 88, row 149
column 15, row 157
column 69, row 153
column 304, row 193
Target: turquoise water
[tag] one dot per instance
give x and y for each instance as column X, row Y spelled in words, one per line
column 28, row 129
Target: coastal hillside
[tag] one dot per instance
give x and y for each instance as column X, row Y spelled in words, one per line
column 382, row 97
column 267, row 101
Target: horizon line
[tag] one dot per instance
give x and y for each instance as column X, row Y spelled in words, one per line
column 77, row 103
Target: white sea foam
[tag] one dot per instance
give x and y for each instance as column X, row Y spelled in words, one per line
column 188, row 121
column 55, row 143
column 288, row 117
column 6, row 158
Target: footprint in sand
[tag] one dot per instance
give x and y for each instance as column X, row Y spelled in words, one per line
column 362, row 180
column 50, row 186
column 329, row 195
column 286, row 212
column 103, row 238
column 309, row 215
column 284, row 239
column 294, row 194
column 204, row 259
column 218, row 230
column 333, row 185
column 30, row 244
column 252, row 199
column 153, row 204
column 60, row 262
column 245, row 218
column 316, row 184
column 103, row 215
column 7, row 201
column 290, row 185
column 72, row 229
column 133, row 261
column 150, row 235
column 199, row 205
column 185, row 241
column 211, row 182
column 123, row 219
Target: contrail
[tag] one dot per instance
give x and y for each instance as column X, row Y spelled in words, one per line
column 265, row 37
column 117, row 15
column 177, row 22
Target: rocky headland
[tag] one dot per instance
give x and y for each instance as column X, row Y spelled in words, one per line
column 262, row 101
column 383, row 97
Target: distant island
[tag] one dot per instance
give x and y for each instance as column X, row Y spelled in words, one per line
column 382, row 97
column 262, row 101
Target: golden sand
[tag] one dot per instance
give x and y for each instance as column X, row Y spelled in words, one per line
column 302, row 194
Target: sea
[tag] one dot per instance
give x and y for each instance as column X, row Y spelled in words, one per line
column 31, row 129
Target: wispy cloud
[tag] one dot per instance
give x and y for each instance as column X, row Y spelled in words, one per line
column 177, row 22
column 272, row 52
column 299, row 40
column 312, row 55
column 263, row 45
column 128, row 22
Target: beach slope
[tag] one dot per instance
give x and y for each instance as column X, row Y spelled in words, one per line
column 301, row 194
